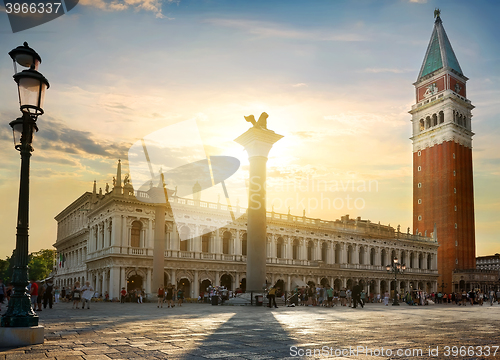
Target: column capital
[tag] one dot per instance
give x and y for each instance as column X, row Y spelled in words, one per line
column 257, row 141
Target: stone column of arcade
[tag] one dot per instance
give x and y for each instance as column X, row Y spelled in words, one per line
column 257, row 141
column 159, row 196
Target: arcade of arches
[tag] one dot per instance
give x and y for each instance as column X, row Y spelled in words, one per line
column 113, row 244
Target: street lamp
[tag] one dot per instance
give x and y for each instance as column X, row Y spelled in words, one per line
column 31, row 90
column 443, row 285
column 395, row 267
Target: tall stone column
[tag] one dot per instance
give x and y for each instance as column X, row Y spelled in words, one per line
column 123, row 280
column 159, row 246
column 148, row 281
column 195, row 286
column 257, row 141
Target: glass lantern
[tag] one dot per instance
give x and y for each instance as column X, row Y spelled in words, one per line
column 31, row 87
column 23, row 129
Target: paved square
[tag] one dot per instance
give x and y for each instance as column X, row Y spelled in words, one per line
column 201, row 331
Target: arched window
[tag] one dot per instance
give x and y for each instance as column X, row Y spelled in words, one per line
column 372, row 256
column 349, row 254
column 422, row 124
column 295, row 249
column 337, row 254
column 184, row 236
column 226, row 241
column 205, row 243
column 411, row 260
column 420, row 261
column 441, row 117
column 403, row 257
column 279, row 248
column 362, row 255
column 429, row 262
column 310, row 248
column 110, row 227
column 324, row 252
column 383, row 258
column 434, row 120
column 135, row 235
column 427, row 122
column 244, row 244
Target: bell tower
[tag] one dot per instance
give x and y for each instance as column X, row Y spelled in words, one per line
column 443, row 193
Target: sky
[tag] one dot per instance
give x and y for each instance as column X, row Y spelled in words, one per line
column 335, row 78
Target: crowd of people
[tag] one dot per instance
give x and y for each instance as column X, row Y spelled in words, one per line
column 169, row 295
column 327, row 296
column 45, row 293
column 460, row 298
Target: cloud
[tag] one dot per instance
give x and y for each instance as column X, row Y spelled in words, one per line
column 57, row 160
column 419, row 1
column 154, row 6
column 305, row 134
column 59, row 137
column 299, row 85
column 272, row 30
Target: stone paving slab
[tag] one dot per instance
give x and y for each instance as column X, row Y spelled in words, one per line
column 201, row 331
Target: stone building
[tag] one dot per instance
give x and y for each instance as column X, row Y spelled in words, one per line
column 107, row 239
column 490, row 262
column 473, row 279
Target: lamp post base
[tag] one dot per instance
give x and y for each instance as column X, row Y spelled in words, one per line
column 20, row 336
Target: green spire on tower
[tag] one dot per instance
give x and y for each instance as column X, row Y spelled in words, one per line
column 439, row 54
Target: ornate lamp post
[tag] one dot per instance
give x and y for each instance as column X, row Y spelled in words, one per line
column 31, row 90
column 395, row 268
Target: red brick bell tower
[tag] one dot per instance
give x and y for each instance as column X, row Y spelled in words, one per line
column 443, row 194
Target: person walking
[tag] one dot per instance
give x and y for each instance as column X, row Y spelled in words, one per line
column 161, row 296
column 57, row 294
column 363, row 297
column 386, row 298
column 356, row 296
column 169, row 296
column 272, row 297
column 343, row 297
column 47, row 295
column 492, row 297
column 76, row 295
column 348, row 295
column 180, row 296
column 33, row 293
column 480, row 297
column 123, row 294
column 329, row 294
column 41, row 290
column 87, row 294
column 472, row 295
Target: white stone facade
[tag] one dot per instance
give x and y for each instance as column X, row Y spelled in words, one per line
column 107, row 239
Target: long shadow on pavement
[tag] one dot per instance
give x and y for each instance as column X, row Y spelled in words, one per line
column 246, row 335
